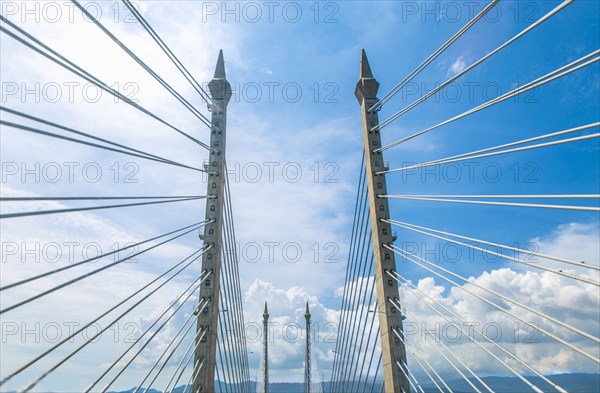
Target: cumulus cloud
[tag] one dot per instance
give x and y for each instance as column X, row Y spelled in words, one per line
column 562, row 298
column 287, row 329
column 521, row 332
column 575, row 241
column 457, row 66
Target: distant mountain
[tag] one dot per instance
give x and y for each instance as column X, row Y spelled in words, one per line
column 574, row 383
column 187, row 389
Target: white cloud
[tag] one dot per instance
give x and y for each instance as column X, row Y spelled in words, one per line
column 546, row 292
column 287, row 329
column 457, row 66
column 531, row 345
column 569, row 301
column 575, row 241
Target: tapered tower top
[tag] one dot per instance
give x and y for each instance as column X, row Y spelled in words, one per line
column 220, row 89
column 367, row 86
column 266, row 313
column 220, row 68
column 365, row 68
column 307, row 313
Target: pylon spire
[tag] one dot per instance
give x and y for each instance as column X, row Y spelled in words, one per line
column 308, row 359
column 367, row 86
column 220, row 68
column 219, row 87
column 365, row 68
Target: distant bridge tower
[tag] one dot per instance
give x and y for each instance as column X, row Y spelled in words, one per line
column 308, row 360
column 265, row 350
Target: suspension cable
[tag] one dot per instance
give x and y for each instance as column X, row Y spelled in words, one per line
column 183, row 336
column 458, row 359
column 407, row 256
column 89, row 208
column 417, row 357
column 519, row 304
column 358, row 212
column 78, row 331
column 67, row 64
column 415, row 290
column 205, row 96
column 82, row 142
column 514, row 259
column 544, row 18
column 134, row 246
column 136, row 152
column 554, row 75
column 237, row 284
column 231, row 299
column 356, row 282
column 231, row 267
column 185, row 360
column 409, row 375
column 433, row 344
column 93, row 272
column 475, row 154
column 360, row 322
column 433, row 56
column 61, row 362
column 435, row 198
column 160, row 80
column 370, row 334
column 357, row 295
column 193, row 286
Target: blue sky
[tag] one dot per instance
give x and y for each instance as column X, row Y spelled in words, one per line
column 318, row 54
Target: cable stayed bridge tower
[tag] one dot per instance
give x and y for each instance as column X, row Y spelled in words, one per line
column 390, row 317
column 208, row 316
